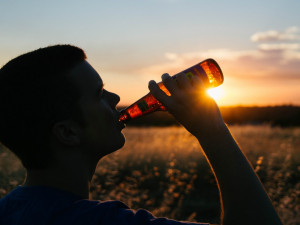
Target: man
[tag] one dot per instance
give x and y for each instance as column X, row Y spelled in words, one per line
column 58, row 119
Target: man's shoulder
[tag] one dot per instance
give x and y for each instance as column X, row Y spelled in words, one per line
column 97, row 205
column 50, row 206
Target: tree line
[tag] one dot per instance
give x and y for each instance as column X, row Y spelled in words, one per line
column 284, row 116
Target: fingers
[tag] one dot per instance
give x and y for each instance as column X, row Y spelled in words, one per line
column 183, row 81
column 177, row 88
column 157, row 92
column 198, row 84
column 169, row 83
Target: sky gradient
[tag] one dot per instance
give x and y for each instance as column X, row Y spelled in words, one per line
column 256, row 43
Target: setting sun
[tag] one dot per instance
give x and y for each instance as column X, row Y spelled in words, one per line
column 216, row 93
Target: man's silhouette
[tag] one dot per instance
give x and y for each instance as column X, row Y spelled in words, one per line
column 58, row 119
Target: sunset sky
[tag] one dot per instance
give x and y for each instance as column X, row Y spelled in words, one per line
column 256, row 43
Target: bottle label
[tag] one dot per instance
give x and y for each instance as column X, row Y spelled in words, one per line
column 143, row 106
column 189, row 74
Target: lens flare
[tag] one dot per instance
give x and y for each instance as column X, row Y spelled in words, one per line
column 216, row 93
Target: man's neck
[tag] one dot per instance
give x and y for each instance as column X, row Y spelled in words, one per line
column 75, row 178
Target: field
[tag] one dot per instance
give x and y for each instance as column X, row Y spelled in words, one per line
column 163, row 170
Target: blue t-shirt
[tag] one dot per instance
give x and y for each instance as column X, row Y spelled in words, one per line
column 39, row 205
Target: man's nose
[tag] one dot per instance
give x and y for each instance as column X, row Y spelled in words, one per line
column 114, row 99
column 117, row 98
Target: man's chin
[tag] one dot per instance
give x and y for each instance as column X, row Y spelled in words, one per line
column 118, row 144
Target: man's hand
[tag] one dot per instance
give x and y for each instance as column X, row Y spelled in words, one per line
column 189, row 103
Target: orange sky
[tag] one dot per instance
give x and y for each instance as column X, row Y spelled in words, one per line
column 256, row 43
column 257, row 77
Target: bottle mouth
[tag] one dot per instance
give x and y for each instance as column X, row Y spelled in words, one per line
column 123, row 116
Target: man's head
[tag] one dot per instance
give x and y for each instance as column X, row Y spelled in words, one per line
column 38, row 91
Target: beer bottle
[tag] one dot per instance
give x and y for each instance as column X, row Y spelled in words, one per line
column 209, row 72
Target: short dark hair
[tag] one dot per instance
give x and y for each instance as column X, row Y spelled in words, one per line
column 35, row 94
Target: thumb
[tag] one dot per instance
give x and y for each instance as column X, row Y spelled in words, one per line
column 157, row 92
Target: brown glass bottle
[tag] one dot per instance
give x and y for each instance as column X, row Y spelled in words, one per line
column 208, row 70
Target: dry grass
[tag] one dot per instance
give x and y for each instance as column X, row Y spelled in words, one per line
column 164, row 171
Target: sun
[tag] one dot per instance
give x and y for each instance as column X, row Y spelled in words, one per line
column 216, row 93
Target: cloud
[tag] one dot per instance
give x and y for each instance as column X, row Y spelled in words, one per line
column 176, row 62
column 268, row 62
column 280, row 47
column 290, row 34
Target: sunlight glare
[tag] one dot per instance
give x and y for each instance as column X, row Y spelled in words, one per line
column 216, row 93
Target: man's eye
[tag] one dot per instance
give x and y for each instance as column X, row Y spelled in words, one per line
column 101, row 93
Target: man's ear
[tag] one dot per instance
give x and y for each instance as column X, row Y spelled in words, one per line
column 67, row 132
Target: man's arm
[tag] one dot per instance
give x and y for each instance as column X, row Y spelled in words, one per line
column 243, row 198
